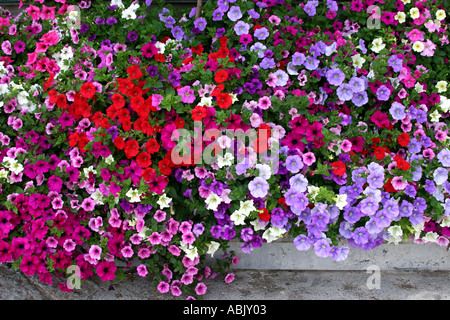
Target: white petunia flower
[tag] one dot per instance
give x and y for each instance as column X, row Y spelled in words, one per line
column 213, row 201
column 377, row 45
column 134, row 195
column 164, row 201
column 273, row 233
column 212, row 248
column 238, row 217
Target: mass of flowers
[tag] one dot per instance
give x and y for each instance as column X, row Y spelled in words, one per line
column 121, row 128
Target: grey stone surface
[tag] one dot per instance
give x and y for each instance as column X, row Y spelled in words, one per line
column 282, row 255
column 251, row 285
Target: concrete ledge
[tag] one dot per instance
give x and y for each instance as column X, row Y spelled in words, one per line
column 284, row 256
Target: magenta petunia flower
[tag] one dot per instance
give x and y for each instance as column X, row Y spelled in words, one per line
column 142, row 270
column 200, row 289
column 88, row 204
column 106, row 270
column 187, row 94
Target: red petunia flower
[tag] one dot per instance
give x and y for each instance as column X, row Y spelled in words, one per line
column 338, row 168
column 131, row 148
column 379, row 153
column 125, row 85
column 134, row 72
column 118, row 100
column 152, row 146
column 159, row 57
column 198, row 113
column 119, row 142
column 144, row 159
column 264, row 215
column 403, row 139
column 164, row 167
column 88, row 90
column 221, row 76
column 198, row 49
column 224, row 100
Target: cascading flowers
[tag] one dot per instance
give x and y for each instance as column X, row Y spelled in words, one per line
column 135, row 132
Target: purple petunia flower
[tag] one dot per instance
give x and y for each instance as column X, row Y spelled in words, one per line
column 302, row 243
column 444, row 157
column 311, row 63
column 234, row 14
column 360, row 98
column 132, row 36
column 200, row 23
column 383, row 93
column 261, row 33
column 335, row 76
column 440, row 175
column 396, row 63
column 360, row 235
column 258, row 187
column 344, row 92
column 397, row 111
column 241, row 28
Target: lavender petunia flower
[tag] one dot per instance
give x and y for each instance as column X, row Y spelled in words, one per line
column 302, row 243
column 322, row 248
column 352, row 214
column 429, row 186
column 405, row 209
column 396, row 63
column 267, row 63
column 410, row 191
column 335, row 76
column 294, row 163
column 440, row 175
column 360, row 235
column 344, row 92
column 177, row 32
column 369, row 206
column 298, row 59
column 444, row 157
column 311, row 63
column 200, row 23
column 261, row 33
column 258, row 187
column 383, row 93
column 360, row 98
column 234, row 14
column 375, row 179
column 397, row 111
column 217, row 15
column 357, row 84
column 241, row 28
column 310, row 8
column 252, row 13
column 298, row 182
